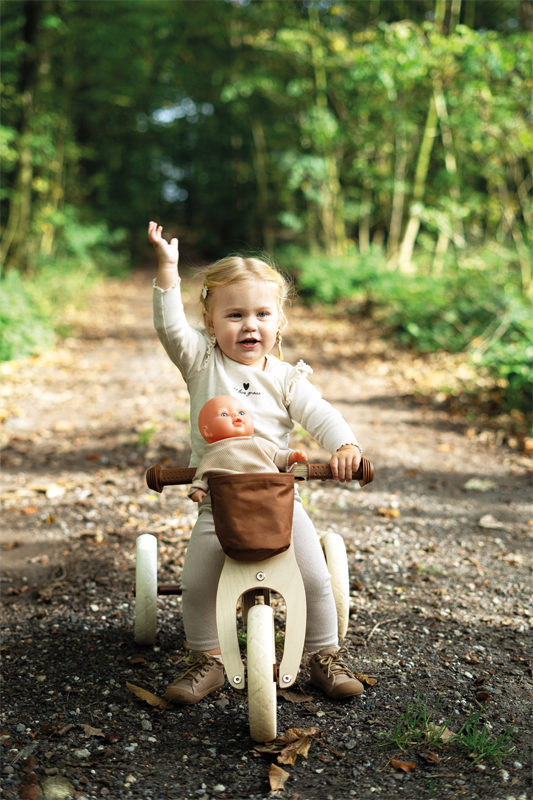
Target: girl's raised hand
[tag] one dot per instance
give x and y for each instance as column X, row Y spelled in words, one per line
column 345, row 462
column 167, row 254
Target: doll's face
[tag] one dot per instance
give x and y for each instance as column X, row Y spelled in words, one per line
column 223, row 418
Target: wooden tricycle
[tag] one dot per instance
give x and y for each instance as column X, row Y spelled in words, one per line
column 252, row 581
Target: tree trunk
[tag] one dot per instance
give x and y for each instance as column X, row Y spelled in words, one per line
column 364, row 225
column 398, row 196
column 260, row 161
column 455, row 14
column 13, row 246
column 422, row 167
column 470, row 14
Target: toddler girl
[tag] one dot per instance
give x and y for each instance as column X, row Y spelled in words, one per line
column 242, row 301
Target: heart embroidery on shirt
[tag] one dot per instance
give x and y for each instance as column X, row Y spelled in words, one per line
column 246, row 386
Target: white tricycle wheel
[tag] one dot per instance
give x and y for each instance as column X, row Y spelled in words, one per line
column 335, row 553
column 261, row 658
column 146, row 589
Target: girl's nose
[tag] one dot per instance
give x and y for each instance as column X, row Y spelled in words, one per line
column 249, row 324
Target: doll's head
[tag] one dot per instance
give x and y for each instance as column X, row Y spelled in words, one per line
column 223, row 418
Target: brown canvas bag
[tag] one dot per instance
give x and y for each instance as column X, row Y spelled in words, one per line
column 253, row 514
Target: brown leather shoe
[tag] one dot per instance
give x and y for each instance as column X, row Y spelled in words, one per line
column 204, row 674
column 330, row 674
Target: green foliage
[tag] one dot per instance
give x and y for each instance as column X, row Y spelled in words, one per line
column 416, row 727
column 23, row 329
column 478, row 742
column 31, row 306
column 475, row 306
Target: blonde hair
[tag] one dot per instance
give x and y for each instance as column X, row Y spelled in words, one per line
column 235, row 269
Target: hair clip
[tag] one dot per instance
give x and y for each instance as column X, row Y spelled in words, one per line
column 204, row 291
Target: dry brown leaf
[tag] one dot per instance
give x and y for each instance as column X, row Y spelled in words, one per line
column 297, row 742
column 30, row 510
column 483, row 697
column 388, row 512
column 88, row 731
column 433, row 758
column 138, row 660
column 295, row 697
column 445, row 735
column 403, row 765
column 365, row 679
column 148, row 697
column 277, row 777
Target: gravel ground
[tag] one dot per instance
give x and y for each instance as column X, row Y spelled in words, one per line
column 440, row 562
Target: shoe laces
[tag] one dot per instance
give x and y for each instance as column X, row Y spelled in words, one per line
column 334, row 664
column 198, row 665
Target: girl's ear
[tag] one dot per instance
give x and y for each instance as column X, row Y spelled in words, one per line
column 208, row 322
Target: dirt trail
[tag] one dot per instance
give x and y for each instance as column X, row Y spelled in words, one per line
column 444, row 571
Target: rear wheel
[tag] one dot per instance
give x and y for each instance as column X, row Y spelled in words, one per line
column 335, row 553
column 146, row 589
column 261, row 658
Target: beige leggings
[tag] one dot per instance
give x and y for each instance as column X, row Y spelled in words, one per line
column 203, row 564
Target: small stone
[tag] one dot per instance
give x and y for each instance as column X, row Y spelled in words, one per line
column 146, row 725
column 350, row 744
column 222, row 703
column 8, row 770
column 517, row 765
column 20, row 728
column 81, row 753
column 56, row 788
column 219, row 788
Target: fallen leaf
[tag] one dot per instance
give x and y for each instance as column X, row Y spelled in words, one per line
column 481, row 681
column 490, row 522
column 432, row 758
column 296, row 696
column 148, row 697
column 93, row 456
column 113, row 738
column 11, row 545
column 88, row 731
column 358, row 586
column 29, row 510
column 388, row 512
column 277, row 777
column 294, row 742
column 445, row 448
column 483, row 697
column 445, row 734
column 365, row 679
column 138, row 660
column 403, row 765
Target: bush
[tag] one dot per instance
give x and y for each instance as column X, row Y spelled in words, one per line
column 476, row 307
column 31, row 306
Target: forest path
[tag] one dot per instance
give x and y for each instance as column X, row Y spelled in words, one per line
column 445, row 570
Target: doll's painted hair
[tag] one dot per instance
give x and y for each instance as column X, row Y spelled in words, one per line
column 235, row 269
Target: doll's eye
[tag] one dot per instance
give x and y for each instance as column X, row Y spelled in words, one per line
column 242, row 413
column 223, row 415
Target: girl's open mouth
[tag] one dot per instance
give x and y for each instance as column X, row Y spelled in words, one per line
column 249, row 342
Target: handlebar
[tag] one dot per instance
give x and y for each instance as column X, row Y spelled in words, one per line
column 157, row 477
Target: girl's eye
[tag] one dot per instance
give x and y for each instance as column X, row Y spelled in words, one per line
column 223, row 415
column 263, row 314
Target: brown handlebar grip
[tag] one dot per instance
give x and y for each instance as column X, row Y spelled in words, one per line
column 157, row 477
column 365, row 473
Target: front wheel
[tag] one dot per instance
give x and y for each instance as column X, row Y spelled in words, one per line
column 146, row 589
column 335, row 553
column 261, row 659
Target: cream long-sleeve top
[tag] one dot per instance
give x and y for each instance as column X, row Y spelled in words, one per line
column 275, row 397
column 238, row 454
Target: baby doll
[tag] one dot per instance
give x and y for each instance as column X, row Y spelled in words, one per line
column 228, row 428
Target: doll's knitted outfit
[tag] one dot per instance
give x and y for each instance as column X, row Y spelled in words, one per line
column 238, row 454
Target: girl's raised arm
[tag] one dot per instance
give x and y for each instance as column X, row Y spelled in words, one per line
column 167, row 254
